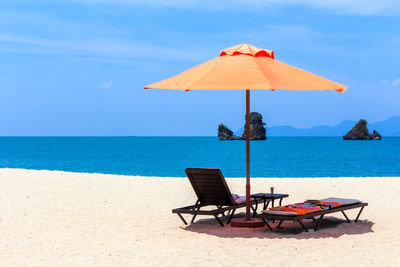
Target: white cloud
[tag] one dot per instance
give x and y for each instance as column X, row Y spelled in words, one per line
column 64, row 37
column 396, row 82
column 106, row 85
column 361, row 7
column 120, row 48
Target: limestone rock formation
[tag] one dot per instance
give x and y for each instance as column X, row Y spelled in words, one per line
column 224, row 133
column 257, row 129
column 360, row 132
column 376, row 136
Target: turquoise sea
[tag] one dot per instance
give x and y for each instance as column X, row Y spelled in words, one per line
column 169, row 156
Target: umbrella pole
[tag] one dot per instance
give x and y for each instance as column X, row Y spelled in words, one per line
column 247, row 221
column 248, row 155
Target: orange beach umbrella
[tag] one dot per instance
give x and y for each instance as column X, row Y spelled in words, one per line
column 245, row 67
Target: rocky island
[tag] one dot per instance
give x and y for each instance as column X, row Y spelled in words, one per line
column 360, row 132
column 257, row 129
column 224, row 133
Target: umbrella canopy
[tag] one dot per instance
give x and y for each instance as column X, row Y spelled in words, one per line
column 245, row 67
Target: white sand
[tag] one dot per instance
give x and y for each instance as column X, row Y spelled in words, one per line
column 52, row 218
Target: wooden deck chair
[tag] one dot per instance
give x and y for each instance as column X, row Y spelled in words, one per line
column 213, row 196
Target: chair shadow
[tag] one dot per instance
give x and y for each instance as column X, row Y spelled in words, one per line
column 330, row 227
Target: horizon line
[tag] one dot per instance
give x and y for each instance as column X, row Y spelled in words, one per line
column 215, row 136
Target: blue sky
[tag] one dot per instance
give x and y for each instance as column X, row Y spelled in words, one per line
column 79, row 67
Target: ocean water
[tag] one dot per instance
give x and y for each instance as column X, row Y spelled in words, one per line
column 169, row 156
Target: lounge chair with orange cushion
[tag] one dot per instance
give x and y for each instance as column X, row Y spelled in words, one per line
column 310, row 210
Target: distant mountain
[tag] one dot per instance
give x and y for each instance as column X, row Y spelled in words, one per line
column 319, row 130
column 389, row 127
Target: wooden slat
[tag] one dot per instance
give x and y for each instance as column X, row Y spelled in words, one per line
column 207, row 181
column 204, row 189
column 211, row 185
column 204, row 174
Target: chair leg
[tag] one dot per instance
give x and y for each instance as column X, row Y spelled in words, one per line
column 223, row 213
column 358, row 216
column 318, row 222
column 267, row 224
column 230, row 217
column 302, row 225
column 347, row 219
column 219, row 221
column 266, row 205
column 314, row 220
column 194, row 217
column 254, row 210
column 279, row 224
column 183, row 219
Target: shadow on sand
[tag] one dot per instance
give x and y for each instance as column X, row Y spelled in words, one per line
column 329, row 227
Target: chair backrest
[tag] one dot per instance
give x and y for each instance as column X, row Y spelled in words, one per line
column 210, row 186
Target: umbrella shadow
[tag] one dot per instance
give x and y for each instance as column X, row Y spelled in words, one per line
column 330, row 227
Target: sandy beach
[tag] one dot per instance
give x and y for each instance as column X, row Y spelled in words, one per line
column 54, row 218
